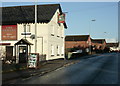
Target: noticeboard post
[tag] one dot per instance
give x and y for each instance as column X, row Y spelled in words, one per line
column 33, row 60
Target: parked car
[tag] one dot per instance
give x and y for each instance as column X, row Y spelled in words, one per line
column 78, row 51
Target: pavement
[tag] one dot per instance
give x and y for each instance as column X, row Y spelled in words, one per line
column 45, row 67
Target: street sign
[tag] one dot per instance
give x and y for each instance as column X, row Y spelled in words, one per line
column 33, row 60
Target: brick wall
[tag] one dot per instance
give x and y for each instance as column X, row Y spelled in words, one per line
column 72, row 44
column 98, row 45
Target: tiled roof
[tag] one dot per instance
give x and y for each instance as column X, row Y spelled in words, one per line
column 98, row 40
column 23, row 41
column 77, row 38
column 112, row 44
column 26, row 14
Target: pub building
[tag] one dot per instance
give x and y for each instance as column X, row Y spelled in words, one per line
column 17, row 38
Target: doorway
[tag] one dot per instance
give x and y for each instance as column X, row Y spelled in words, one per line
column 22, row 50
column 23, row 53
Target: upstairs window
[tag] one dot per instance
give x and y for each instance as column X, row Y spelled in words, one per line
column 58, row 31
column 26, row 28
column 52, row 30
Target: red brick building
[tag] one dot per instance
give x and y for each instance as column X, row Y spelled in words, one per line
column 80, row 41
column 99, row 44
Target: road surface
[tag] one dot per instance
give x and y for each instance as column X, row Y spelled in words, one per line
column 101, row 69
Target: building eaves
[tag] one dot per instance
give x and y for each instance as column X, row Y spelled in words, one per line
column 26, row 14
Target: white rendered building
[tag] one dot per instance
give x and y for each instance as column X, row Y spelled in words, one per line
column 18, row 24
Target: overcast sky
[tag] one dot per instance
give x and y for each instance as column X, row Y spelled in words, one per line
column 79, row 16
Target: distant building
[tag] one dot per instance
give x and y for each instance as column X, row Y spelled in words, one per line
column 113, row 46
column 79, row 41
column 18, row 32
column 99, row 44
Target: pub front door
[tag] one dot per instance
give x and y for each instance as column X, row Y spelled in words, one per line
column 22, row 50
column 23, row 54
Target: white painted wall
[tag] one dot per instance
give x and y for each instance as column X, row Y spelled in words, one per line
column 44, row 37
column 57, row 39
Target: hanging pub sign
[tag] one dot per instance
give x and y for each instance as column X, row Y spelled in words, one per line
column 61, row 18
column 33, row 60
column 9, row 32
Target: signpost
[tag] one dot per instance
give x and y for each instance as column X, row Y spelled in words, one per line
column 33, row 60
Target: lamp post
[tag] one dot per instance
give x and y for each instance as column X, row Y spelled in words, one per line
column 105, row 33
column 106, row 36
column 89, row 41
column 90, row 27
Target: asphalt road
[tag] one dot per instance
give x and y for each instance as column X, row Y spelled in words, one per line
column 101, row 69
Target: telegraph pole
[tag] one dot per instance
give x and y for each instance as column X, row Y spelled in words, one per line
column 90, row 36
column 35, row 26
